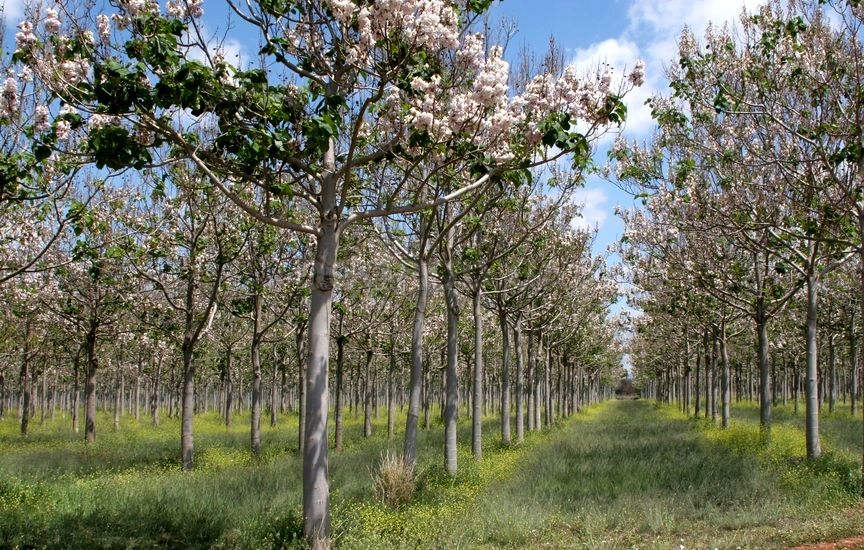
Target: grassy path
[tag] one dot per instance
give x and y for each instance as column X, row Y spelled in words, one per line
column 629, row 475
column 620, row 475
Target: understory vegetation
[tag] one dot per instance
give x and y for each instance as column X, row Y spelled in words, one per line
column 620, row 474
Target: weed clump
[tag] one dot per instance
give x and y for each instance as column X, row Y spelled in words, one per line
column 394, row 480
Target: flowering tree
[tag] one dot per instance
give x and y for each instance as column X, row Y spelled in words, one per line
column 764, row 113
column 183, row 247
column 342, row 87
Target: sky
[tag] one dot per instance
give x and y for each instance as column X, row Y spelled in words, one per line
column 617, row 32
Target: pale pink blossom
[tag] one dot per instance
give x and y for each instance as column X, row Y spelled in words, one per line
column 52, row 21
column 40, row 119
column 9, row 100
column 97, row 121
column 637, row 75
column 185, row 8
column 103, row 25
column 61, row 129
column 139, row 7
column 25, row 37
column 75, row 70
column 343, row 10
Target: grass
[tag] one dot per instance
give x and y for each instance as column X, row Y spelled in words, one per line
column 621, row 475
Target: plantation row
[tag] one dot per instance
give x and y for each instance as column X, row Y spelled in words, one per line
column 378, row 209
column 551, row 394
column 698, row 389
column 332, row 203
column 747, row 255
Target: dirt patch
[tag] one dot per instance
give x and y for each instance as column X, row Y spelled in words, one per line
column 855, row 543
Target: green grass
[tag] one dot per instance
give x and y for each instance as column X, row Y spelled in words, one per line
column 621, row 475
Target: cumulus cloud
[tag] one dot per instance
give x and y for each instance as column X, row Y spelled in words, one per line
column 594, row 210
column 653, row 28
column 13, row 11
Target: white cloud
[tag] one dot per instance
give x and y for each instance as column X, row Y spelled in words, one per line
column 594, row 210
column 652, row 34
column 620, row 54
column 13, row 10
column 231, row 50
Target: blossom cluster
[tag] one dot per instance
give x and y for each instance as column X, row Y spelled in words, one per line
column 425, row 24
column 481, row 106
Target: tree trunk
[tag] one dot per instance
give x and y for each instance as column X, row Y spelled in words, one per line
column 451, row 383
column 316, row 479
column 761, row 320
column 531, row 379
column 505, row 377
column 477, row 389
column 538, row 383
column 24, row 401
column 274, row 393
column 138, row 393
column 520, row 382
column 302, row 372
column 391, row 390
column 367, row 395
column 255, row 352
column 860, row 214
column 187, row 404
column 814, row 447
column 90, row 387
column 697, row 393
column 832, row 373
column 340, row 369
column 725, row 389
column 154, row 392
column 118, row 397
column 229, row 387
column 417, row 330
column 853, row 360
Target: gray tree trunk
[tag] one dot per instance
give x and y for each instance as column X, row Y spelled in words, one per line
column 477, row 386
column 391, row 391
column 520, row 382
column 302, row 367
column 416, row 381
column 340, row 369
column 118, row 398
column 138, row 393
column 255, row 429
column 24, row 401
column 154, row 392
column 814, row 447
column 761, row 320
column 91, row 367
column 853, row 360
column 274, row 390
column 505, row 377
column 229, row 387
column 697, row 389
column 187, row 405
column 316, row 477
column 76, row 390
column 531, row 379
column 832, row 373
column 725, row 389
column 367, row 395
column 451, row 392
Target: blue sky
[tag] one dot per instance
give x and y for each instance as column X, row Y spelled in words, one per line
column 616, row 32
column 590, row 31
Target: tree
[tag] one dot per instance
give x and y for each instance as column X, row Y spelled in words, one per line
column 343, row 87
